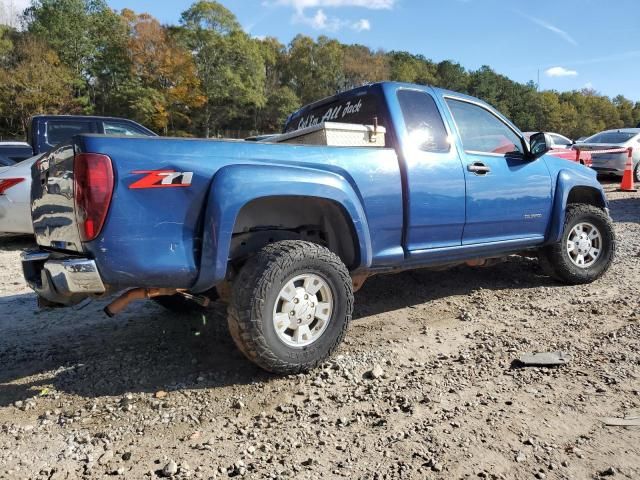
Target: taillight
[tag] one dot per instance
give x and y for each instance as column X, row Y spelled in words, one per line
column 93, row 187
column 7, row 183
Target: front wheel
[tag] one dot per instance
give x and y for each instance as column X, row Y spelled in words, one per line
column 636, row 173
column 586, row 249
column 291, row 306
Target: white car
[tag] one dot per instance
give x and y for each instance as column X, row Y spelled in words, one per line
column 15, row 197
column 615, row 163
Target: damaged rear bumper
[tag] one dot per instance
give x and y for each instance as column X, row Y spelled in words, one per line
column 63, row 281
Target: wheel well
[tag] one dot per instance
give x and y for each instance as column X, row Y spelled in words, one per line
column 587, row 195
column 271, row 219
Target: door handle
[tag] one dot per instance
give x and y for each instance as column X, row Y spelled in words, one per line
column 478, row 168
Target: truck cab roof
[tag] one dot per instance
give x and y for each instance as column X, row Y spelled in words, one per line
column 380, row 89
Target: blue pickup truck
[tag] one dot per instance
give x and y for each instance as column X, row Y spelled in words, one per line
column 286, row 233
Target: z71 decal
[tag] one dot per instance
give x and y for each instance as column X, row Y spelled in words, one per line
column 162, row 179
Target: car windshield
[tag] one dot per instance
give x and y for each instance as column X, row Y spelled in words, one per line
column 611, row 137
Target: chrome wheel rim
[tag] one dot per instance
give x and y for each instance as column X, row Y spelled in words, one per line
column 303, row 310
column 584, row 244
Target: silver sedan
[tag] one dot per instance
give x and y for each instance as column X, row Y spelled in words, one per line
column 614, row 163
column 15, row 197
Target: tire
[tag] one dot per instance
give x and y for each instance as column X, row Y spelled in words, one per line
column 559, row 263
column 258, row 297
column 636, row 173
column 180, row 304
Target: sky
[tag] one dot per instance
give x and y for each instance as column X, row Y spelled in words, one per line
column 570, row 44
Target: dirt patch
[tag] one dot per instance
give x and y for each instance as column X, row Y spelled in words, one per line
column 150, row 393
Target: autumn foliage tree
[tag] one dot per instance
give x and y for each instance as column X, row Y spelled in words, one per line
column 206, row 76
column 166, row 70
column 34, row 81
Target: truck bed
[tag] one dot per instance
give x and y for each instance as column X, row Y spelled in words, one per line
column 158, row 233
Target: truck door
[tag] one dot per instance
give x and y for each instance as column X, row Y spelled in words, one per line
column 435, row 184
column 508, row 195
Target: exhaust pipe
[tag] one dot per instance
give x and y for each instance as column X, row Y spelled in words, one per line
column 120, row 303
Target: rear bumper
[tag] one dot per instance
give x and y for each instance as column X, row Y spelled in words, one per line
column 64, row 281
column 611, row 164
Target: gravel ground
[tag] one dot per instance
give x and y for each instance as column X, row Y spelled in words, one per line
column 423, row 387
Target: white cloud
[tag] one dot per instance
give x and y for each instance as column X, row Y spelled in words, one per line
column 361, row 25
column 301, row 5
column 321, row 21
column 560, row 72
column 549, row 26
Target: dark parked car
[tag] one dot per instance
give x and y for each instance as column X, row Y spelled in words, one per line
column 47, row 131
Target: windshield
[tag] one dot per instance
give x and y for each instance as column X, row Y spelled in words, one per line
column 611, row 137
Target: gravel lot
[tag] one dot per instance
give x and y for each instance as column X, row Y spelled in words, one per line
column 423, row 387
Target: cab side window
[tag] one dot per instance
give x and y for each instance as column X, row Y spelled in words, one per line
column 122, row 128
column 481, row 131
column 423, row 121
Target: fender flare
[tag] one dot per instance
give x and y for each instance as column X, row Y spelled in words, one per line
column 235, row 186
column 566, row 181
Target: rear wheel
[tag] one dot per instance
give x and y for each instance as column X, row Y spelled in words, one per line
column 587, row 247
column 291, row 306
column 636, row 173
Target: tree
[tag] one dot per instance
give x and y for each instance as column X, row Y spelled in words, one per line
column 314, row 70
column 70, row 27
column 361, row 65
column 159, row 64
column 452, row 76
column 625, row 111
column 280, row 100
column 636, row 114
column 406, row 67
column 6, row 43
column 206, row 74
column 88, row 37
column 228, row 61
column 37, row 83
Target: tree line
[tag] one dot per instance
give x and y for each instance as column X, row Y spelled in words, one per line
column 206, row 75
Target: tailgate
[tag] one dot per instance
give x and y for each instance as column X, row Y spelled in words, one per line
column 52, row 201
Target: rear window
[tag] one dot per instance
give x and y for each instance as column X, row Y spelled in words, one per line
column 611, row 137
column 361, row 109
column 59, row 131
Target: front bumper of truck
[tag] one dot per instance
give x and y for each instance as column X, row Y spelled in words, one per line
column 62, row 281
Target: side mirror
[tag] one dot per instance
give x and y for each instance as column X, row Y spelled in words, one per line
column 539, row 144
